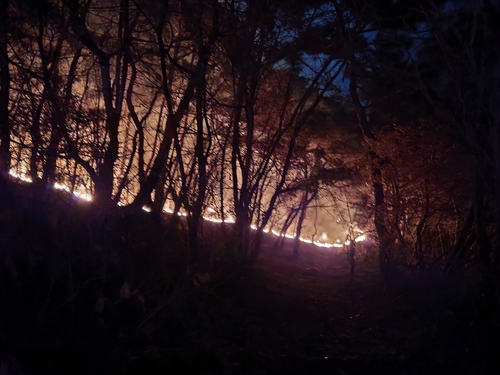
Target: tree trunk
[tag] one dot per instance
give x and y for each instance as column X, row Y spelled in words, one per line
column 495, row 146
column 483, row 246
column 300, row 222
column 36, row 138
column 352, row 258
column 59, row 112
column 280, row 242
column 104, row 183
column 459, row 246
column 150, row 182
column 159, row 193
column 5, row 124
column 201, row 162
column 376, row 173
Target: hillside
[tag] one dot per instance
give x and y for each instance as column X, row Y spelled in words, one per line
column 87, row 290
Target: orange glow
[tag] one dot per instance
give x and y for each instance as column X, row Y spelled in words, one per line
column 23, row 176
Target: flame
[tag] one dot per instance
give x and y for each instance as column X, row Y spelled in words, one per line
column 23, row 176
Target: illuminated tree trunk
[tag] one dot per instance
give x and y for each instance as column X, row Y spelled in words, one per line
column 5, row 124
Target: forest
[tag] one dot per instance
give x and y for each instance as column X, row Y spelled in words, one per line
column 181, row 178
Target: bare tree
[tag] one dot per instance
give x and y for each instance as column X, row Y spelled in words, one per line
column 113, row 90
column 5, row 124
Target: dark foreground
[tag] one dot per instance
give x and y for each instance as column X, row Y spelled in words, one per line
column 89, row 291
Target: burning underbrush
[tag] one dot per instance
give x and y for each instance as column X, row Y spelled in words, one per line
column 88, row 290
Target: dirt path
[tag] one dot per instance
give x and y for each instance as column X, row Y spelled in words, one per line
column 305, row 316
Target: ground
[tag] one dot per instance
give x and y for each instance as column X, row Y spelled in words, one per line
column 305, row 317
column 87, row 291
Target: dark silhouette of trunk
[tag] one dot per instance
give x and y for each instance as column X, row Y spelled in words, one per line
column 300, row 223
column 376, row 174
column 59, row 112
column 5, row 124
column 240, row 234
column 462, row 244
column 103, row 185
column 201, row 162
column 352, row 258
column 222, row 180
column 127, row 170
column 159, row 193
column 49, row 171
column 419, row 243
column 135, row 118
column 483, row 246
column 495, row 147
column 309, row 194
column 241, row 200
column 36, row 137
column 280, row 242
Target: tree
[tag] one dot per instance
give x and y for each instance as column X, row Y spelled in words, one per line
column 113, row 90
column 465, row 91
column 375, row 41
column 5, row 124
column 197, row 72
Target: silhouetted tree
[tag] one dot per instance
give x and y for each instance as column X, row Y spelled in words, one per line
column 5, row 124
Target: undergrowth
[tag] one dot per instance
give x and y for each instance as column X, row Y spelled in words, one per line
column 92, row 290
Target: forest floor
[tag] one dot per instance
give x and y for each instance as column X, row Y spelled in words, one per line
column 279, row 316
